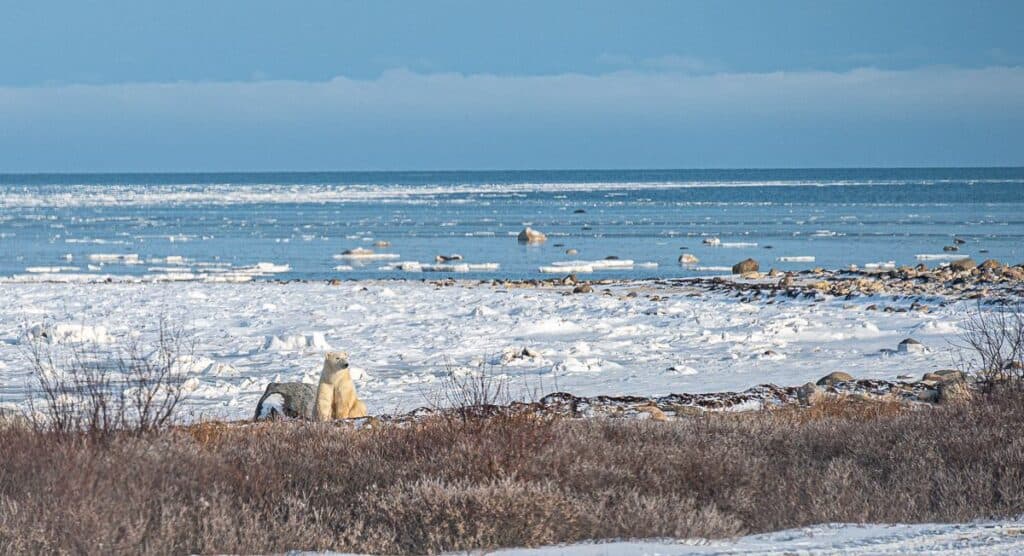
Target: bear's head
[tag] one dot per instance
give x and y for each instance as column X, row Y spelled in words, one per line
column 336, row 360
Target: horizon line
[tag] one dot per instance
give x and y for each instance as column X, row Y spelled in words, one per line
column 457, row 170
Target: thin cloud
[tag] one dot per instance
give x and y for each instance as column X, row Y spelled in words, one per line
column 624, row 118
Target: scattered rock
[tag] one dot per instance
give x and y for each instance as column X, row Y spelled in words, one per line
column 810, row 394
column 569, row 280
column 572, row 252
column 959, row 241
column 990, row 265
column 579, row 211
column 529, row 235
column 833, row 378
column 655, row 413
column 950, row 248
column 448, row 258
column 946, row 375
column 687, row 258
column 955, row 392
column 713, row 241
column 963, row 264
column 929, row 395
column 748, row 265
column 583, row 288
column 910, row 345
column 382, row 244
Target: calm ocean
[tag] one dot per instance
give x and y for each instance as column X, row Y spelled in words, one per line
column 73, row 224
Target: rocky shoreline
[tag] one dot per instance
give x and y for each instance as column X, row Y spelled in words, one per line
column 990, row 281
column 935, row 388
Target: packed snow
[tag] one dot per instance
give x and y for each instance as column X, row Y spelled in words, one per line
column 1003, row 537
column 408, row 335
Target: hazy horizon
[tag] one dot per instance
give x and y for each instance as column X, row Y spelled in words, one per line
column 199, row 87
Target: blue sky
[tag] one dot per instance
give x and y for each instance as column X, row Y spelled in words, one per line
column 216, row 85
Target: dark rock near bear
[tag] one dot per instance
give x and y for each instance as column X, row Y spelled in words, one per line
column 297, row 400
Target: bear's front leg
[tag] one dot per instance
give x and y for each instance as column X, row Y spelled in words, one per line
column 324, row 402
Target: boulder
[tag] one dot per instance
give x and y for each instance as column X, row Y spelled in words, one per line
column 572, row 252
column 945, row 375
column 382, row 244
column 910, row 345
column 687, row 258
column 991, row 265
column 743, row 267
column 654, row 411
column 1013, row 273
column 295, row 400
column 834, row 378
column 929, row 395
column 959, row 241
column 955, row 392
column 810, row 394
column 448, row 258
column 713, row 241
column 529, row 235
column 963, row 264
column 583, row 288
column 950, row 248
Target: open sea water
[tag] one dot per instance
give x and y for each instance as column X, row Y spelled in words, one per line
column 70, row 224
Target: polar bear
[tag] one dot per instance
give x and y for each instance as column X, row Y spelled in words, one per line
column 336, row 395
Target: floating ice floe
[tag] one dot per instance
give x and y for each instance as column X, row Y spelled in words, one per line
column 713, row 241
column 363, row 254
column 737, row 244
column 129, row 258
column 50, row 269
column 413, row 266
column 559, row 267
column 887, row 265
column 172, row 276
column 245, row 273
column 796, row 259
column 343, row 268
column 939, row 257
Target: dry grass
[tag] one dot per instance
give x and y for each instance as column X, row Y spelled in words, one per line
column 503, row 481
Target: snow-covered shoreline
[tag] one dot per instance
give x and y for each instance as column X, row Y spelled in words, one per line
column 640, row 338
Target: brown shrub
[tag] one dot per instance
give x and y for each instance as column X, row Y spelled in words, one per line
column 459, row 484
